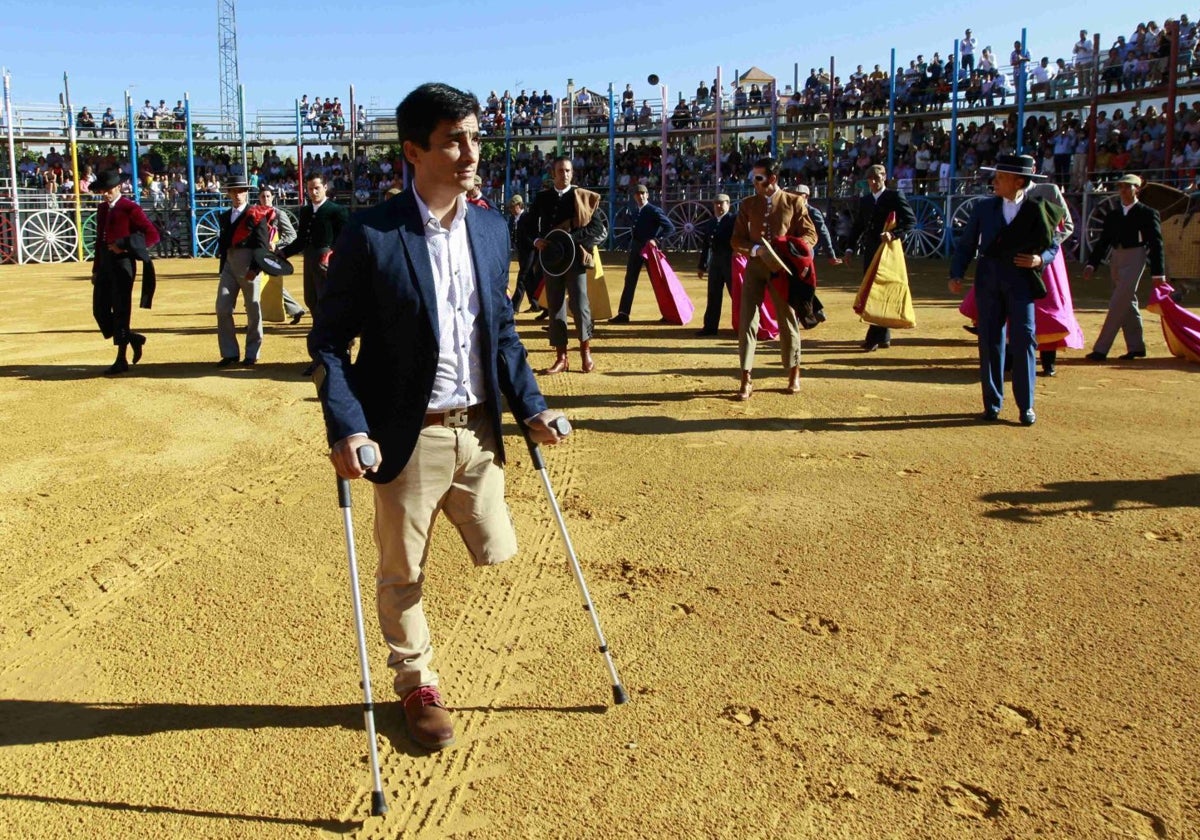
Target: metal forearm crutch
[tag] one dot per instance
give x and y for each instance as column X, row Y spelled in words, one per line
column 366, row 456
column 560, row 425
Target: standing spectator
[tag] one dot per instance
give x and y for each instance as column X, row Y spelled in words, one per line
column 966, row 49
column 868, row 233
column 475, row 194
column 122, row 232
column 768, row 215
column 1084, row 58
column 519, row 234
column 430, row 411
column 1134, row 234
column 716, row 261
column 650, row 223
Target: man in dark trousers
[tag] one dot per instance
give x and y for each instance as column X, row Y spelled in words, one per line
column 121, row 230
column 573, row 209
column 1014, row 236
column 423, row 279
column 650, row 224
column 319, row 222
column 522, row 241
column 868, row 233
column 716, row 261
column 1134, row 233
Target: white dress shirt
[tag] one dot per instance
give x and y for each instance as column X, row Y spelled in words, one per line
column 458, row 381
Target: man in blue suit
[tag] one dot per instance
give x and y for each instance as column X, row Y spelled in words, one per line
column 650, row 224
column 422, row 280
column 1014, row 237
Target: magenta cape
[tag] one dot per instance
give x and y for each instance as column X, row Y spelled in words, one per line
column 673, row 302
column 1053, row 316
column 768, row 324
column 1180, row 327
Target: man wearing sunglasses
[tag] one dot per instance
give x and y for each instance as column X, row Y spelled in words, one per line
column 768, row 215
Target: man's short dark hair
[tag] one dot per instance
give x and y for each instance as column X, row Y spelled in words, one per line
column 314, row 175
column 768, row 165
column 421, row 111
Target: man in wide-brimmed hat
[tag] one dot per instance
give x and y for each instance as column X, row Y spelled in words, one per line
column 122, row 233
column 244, row 230
column 1134, row 233
column 1014, row 236
column 567, row 207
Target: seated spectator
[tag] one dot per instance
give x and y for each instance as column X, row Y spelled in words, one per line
column 85, row 121
column 180, row 115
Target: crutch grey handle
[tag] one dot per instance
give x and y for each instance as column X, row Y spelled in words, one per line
column 558, row 424
column 368, row 457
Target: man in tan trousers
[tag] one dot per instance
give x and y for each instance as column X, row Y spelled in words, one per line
column 768, row 215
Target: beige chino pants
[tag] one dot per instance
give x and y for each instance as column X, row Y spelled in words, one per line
column 455, row 471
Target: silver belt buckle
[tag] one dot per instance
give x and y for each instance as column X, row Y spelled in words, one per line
column 456, row 418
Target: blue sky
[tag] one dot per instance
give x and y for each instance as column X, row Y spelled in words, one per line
column 159, row 50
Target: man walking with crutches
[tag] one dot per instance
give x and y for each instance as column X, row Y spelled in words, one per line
column 422, row 279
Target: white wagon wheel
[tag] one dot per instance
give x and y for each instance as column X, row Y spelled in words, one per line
column 8, row 241
column 208, row 232
column 925, row 239
column 49, row 236
column 1070, row 248
column 687, row 216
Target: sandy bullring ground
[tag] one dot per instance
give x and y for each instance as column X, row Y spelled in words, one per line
column 852, row 613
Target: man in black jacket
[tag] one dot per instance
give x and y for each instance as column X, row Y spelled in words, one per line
column 1134, row 233
column 567, row 207
column 716, row 260
column 868, row 232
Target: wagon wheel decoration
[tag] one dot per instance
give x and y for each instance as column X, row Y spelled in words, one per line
column 960, row 216
column 688, row 217
column 1095, row 221
column 1070, row 248
column 208, row 232
column 49, row 236
column 89, row 236
column 622, row 228
column 8, row 241
column 925, row 239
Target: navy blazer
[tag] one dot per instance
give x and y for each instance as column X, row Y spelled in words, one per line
column 983, row 226
column 651, row 223
column 380, row 287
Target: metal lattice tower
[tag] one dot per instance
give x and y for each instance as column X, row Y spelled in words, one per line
column 227, row 51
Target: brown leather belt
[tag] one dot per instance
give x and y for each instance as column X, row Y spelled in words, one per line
column 455, row 418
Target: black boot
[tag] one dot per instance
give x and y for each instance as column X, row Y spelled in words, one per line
column 120, row 365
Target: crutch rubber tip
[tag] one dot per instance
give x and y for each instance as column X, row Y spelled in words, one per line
column 619, row 695
column 378, row 804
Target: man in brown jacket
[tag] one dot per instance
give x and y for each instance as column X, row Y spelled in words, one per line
column 768, row 215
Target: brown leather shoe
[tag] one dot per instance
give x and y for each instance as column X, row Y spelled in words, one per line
column 561, row 364
column 428, row 719
column 585, row 352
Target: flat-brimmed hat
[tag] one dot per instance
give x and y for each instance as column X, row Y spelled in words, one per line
column 271, row 263
column 237, row 182
column 106, row 180
column 558, row 255
column 1131, row 179
column 722, row 197
column 1015, row 165
column 516, row 199
column 803, row 189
